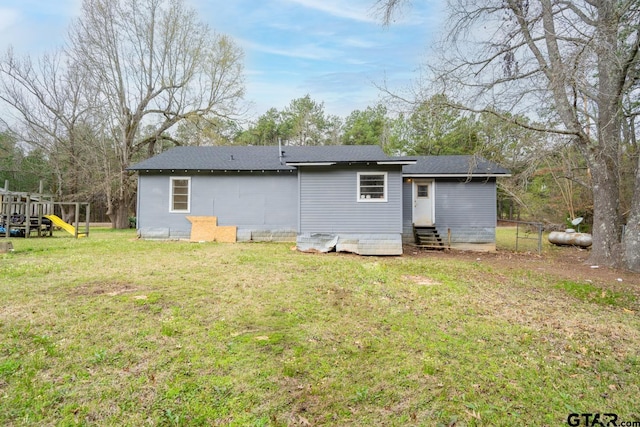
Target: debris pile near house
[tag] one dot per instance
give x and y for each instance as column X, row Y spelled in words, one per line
column 361, row 244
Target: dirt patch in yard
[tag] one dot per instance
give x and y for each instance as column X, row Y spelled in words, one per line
column 103, row 288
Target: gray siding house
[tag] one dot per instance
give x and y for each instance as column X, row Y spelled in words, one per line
column 451, row 201
column 347, row 198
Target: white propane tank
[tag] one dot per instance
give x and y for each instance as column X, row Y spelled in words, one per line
column 575, row 239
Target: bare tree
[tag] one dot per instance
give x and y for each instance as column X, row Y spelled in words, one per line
column 153, row 65
column 570, row 62
column 49, row 101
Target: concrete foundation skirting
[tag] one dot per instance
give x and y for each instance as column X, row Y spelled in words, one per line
column 273, row 235
column 242, row 234
column 252, row 235
column 361, row 244
column 155, row 233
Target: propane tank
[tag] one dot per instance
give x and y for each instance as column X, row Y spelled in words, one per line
column 572, row 239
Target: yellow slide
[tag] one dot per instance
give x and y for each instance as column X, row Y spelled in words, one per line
column 58, row 222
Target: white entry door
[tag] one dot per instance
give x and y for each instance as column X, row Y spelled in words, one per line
column 423, row 202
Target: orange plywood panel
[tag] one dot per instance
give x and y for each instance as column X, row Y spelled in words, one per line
column 203, row 228
column 226, row 234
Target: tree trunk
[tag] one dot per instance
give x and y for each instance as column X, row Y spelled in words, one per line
column 631, row 255
column 631, row 238
column 121, row 202
column 606, row 223
column 67, row 214
column 121, row 217
column 603, row 154
column 119, row 213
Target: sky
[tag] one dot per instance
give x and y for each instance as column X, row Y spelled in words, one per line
column 335, row 51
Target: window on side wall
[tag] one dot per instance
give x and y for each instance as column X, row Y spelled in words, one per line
column 180, row 194
column 372, row 186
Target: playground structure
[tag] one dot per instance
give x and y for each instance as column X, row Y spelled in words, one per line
column 22, row 214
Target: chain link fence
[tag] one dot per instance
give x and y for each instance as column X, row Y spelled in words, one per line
column 519, row 236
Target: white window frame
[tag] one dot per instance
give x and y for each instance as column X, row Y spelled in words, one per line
column 420, row 184
column 171, row 201
column 358, row 184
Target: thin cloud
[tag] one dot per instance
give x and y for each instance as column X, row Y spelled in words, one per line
column 299, row 51
column 330, row 49
column 339, row 9
column 8, row 17
column 360, row 43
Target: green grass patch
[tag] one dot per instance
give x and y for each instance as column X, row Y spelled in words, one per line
column 591, row 293
column 522, row 239
column 111, row 330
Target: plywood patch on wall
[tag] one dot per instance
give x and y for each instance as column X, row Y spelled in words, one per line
column 205, row 229
column 226, row 234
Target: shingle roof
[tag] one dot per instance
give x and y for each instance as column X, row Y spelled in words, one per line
column 335, row 153
column 454, row 165
column 257, row 158
column 215, row 158
column 246, row 158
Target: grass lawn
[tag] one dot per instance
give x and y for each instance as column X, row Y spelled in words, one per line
column 110, row 330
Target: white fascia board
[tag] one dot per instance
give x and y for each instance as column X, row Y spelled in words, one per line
column 312, row 164
column 454, row 175
column 397, row 162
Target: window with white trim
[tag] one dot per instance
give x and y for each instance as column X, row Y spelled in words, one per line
column 423, row 191
column 180, row 194
column 372, row 186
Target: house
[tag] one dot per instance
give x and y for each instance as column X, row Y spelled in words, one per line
column 451, row 198
column 351, row 198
